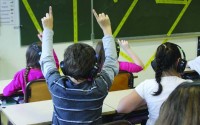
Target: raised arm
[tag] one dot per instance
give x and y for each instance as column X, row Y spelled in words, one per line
column 54, row 53
column 47, row 60
column 124, row 44
column 111, row 66
column 104, row 22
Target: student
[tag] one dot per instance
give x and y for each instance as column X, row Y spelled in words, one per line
column 31, row 72
column 182, row 106
column 168, row 65
column 78, row 97
column 195, row 64
column 135, row 67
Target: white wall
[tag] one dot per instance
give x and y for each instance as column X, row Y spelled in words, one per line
column 12, row 55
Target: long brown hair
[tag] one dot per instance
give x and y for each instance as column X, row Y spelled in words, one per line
column 182, row 106
column 166, row 57
column 33, row 54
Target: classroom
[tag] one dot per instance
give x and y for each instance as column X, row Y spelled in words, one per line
column 12, row 49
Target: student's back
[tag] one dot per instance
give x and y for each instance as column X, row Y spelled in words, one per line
column 168, row 64
column 78, row 97
column 30, row 73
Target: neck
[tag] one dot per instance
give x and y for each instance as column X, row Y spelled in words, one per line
column 76, row 81
column 171, row 73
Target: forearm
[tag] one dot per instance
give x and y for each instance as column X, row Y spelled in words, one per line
column 47, row 60
column 111, row 65
column 129, row 67
column 130, row 103
column 134, row 57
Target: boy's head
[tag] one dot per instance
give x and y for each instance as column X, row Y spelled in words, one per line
column 33, row 54
column 80, row 61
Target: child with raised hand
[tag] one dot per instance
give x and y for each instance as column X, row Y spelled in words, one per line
column 78, row 97
column 133, row 67
column 30, row 73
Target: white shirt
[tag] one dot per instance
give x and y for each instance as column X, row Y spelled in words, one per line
column 195, row 64
column 148, row 87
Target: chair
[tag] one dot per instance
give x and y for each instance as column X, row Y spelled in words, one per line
column 135, row 117
column 37, row 90
column 124, row 80
column 119, row 122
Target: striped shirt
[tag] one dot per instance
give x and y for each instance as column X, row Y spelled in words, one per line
column 79, row 104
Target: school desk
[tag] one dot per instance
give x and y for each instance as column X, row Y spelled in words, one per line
column 36, row 112
column 188, row 70
column 113, row 98
column 41, row 112
column 190, row 74
column 3, row 83
column 138, row 116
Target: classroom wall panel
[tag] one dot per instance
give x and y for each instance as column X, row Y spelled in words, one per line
column 130, row 18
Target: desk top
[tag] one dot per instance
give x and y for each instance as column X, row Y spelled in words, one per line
column 3, row 84
column 188, row 70
column 37, row 112
column 113, row 98
column 41, row 112
column 29, row 113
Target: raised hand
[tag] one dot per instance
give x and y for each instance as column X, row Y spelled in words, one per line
column 126, row 47
column 47, row 21
column 104, row 22
column 124, row 44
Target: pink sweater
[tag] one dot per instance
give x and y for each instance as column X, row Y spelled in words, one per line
column 129, row 67
column 18, row 82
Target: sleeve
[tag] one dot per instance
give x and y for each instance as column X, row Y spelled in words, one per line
column 47, row 61
column 111, row 66
column 140, row 89
column 14, row 85
column 130, row 67
column 195, row 64
column 56, row 59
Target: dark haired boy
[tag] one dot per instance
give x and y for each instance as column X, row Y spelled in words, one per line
column 78, row 97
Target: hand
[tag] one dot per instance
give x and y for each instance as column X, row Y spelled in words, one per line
column 104, row 22
column 40, row 36
column 47, row 21
column 124, row 44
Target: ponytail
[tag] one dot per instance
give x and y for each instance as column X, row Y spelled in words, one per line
column 26, row 74
column 158, row 75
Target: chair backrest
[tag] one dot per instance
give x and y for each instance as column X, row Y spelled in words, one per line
column 124, row 80
column 37, row 90
column 119, row 122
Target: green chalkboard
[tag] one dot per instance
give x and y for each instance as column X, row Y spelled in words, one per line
column 147, row 18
